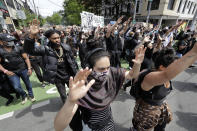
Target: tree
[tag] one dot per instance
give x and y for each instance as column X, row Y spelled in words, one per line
column 72, row 10
column 93, row 6
column 55, row 19
column 29, row 18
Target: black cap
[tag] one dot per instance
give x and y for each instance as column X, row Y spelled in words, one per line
column 6, row 37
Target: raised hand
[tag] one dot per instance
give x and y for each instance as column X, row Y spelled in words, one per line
column 78, row 89
column 120, row 19
column 179, row 24
column 34, row 27
column 129, row 20
column 82, row 75
column 146, row 38
column 139, row 55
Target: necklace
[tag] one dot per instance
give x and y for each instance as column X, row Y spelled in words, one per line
column 61, row 52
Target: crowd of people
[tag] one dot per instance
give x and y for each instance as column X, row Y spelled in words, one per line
column 155, row 56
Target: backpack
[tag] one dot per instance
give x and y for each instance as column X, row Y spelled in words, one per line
column 135, row 90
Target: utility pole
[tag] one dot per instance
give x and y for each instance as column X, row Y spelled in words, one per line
column 35, row 8
column 192, row 28
column 134, row 14
column 103, row 8
column 38, row 11
column 149, row 8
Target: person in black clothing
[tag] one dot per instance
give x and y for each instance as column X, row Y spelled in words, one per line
column 14, row 63
column 37, row 65
column 151, row 111
column 57, row 58
column 192, row 41
column 81, row 44
column 130, row 45
column 182, row 46
column 5, row 87
column 113, row 42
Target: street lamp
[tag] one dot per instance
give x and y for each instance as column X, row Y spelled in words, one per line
column 134, row 14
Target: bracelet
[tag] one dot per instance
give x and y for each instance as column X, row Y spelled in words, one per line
column 5, row 71
column 29, row 68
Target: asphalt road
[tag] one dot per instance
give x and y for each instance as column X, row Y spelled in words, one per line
column 182, row 100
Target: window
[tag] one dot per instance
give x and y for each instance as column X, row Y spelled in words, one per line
column 181, row 1
column 194, row 9
column 184, row 6
column 154, row 5
column 138, row 6
column 18, row 6
column 190, row 8
column 188, row 4
column 10, row 3
column 171, row 4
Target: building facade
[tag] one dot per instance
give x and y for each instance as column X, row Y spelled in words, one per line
column 10, row 12
column 112, row 9
column 4, row 16
column 166, row 12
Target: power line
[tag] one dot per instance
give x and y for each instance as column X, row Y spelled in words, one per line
column 54, row 3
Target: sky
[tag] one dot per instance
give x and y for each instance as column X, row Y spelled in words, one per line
column 47, row 7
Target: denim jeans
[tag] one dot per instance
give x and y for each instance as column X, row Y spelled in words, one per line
column 15, row 81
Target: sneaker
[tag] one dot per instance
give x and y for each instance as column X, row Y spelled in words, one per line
column 33, row 99
column 47, row 83
column 43, row 85
column 24, row 100
column 9, row 101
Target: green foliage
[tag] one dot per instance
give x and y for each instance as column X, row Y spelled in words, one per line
column 55, row 19
column 29, row 18
column 72, row 10
column 92, row 5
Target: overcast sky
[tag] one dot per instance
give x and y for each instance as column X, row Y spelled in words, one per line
column 47, row 7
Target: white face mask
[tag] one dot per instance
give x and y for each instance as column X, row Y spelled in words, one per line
column 116, row 32
column 102, row 76
column 105, row 73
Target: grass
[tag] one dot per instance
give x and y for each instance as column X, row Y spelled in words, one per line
column 39, row 93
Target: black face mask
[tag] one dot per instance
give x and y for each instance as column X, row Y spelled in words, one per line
column 149, row 53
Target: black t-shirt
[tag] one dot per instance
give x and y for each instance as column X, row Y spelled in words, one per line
column 13, row 60
column 114, row 43
column 157, row 94
column 62, row 68
column 131, row 44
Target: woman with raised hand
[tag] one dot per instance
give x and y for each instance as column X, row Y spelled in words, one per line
column 94, row 111
column 151, row 111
